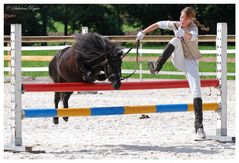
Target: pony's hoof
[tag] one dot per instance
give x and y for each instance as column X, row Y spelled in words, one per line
column 55, row 121
column 116, row 84
column 66, row 119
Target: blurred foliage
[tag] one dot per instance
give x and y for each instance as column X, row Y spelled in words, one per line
column 109, row 19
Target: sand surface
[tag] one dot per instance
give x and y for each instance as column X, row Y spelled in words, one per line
column 162, row 136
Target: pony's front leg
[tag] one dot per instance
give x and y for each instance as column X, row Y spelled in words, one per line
column 56, row 101
column 65, row 97
column 101, row 77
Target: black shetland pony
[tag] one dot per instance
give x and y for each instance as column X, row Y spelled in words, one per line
column 91, row 58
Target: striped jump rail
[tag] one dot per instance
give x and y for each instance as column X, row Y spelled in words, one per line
column 71, row 87
column 115, row 110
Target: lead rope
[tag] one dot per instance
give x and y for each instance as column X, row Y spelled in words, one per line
column 137, row 60
column 194, row 60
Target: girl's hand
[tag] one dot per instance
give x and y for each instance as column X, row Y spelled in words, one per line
column 140, row 36
column 180, row 33
column 187, row 36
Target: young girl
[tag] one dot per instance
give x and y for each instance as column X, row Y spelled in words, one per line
column 184, row 50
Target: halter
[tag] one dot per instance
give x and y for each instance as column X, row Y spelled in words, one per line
column 106, row 62
column 103, row 64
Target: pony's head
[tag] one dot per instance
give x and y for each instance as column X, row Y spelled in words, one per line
column 99, row 54
column 113, row 68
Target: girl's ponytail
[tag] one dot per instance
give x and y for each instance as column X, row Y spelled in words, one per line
column 201, row 26
column 191, row 13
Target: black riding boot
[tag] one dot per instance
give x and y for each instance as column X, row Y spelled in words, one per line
column 197, row 102
column 155, row 67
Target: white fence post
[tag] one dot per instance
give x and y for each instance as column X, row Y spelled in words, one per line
column 140, row 64
column 221, row 46
column 84, row 30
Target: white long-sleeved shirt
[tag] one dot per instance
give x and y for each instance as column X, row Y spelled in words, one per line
column 190, row 49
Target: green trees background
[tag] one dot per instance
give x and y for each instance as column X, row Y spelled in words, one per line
column 108, row 19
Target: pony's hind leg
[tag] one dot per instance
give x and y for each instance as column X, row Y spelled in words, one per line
column 65, row 98
column 56, row 100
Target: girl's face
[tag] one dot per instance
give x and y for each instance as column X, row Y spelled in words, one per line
column 184, row 20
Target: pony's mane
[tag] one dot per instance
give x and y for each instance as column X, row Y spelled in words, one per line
column 91, row 46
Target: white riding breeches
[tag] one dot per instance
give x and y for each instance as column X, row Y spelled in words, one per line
column 189, row 66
